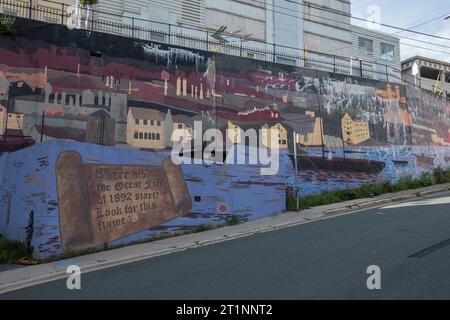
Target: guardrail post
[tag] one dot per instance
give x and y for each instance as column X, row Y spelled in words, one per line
column 361, row 67
column 132, row 27
column 274, row 52
column 387, row 74
column 170, row 33
column 92, row 18
column 240, row 49
column 334, row 63
column 62, row 13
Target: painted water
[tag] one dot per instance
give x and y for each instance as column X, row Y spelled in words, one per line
column 399, row 162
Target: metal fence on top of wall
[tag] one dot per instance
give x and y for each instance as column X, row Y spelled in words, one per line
column 195, row 38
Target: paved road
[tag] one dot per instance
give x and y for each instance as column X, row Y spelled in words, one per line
column 323, row 259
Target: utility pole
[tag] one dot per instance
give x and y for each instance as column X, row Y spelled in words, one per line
column 295, row 154
column 342, row 131
column 321, row 122
column 42, row 125
column 7, row 114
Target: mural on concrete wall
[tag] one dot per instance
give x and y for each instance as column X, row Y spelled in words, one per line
column 145, row 97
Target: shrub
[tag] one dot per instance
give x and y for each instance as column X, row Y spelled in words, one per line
column 369, row 190
column 11, row 251
column 85, row 3
column 204, row 227
column 6, row 23
column 441, row 175
column 234, row 220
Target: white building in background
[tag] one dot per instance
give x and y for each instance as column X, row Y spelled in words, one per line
column 176, row 12
column 326, row 27
column 380, row 53
column 281, row 22
column 315, row 26
column 429, row 74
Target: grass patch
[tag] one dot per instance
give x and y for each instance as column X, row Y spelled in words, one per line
column 234, row 220
column 11, row 251
column 441, row 175
column 438, row 176
column 204, row 227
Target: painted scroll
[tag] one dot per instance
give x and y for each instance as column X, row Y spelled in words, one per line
column 100, row 203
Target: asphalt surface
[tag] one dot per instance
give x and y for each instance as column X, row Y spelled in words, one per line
column 326, row 259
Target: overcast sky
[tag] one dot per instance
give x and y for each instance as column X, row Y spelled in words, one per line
column 407, row 14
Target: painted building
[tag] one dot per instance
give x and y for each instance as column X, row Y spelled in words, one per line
column 10, row 121
column 3, row 117
column 145, row 128
column 276, row 133
column 429, row 74
column 392, row 92
column 181, row 133
column 234, row 132
column 4, row 86
column 354, row 132
column 377, row 50
column 314, row 138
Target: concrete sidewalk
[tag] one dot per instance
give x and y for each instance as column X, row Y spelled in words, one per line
column 28, row 276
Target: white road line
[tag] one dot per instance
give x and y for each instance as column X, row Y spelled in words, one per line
column 427, row 202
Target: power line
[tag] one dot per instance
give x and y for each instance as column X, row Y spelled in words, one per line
column 423, row 23
column 344, row 15
column 423, row 15
column 382, row 24
column 349, row 24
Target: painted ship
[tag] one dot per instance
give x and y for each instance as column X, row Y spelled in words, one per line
column 10, row 144
column 339, row 164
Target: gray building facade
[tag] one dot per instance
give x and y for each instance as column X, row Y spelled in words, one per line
column 429, row 74
column 380, row 53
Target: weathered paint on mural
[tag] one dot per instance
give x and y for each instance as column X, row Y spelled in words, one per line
column 73, row 85
column 217, row 192
column 101, row 203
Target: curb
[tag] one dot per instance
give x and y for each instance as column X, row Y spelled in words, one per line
column 434, row 191
column 51, row 275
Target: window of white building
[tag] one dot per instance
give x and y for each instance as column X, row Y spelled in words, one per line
column 387, row 51
column 365, row 45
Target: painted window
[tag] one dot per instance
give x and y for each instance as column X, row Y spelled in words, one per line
column 365, row 45
column 387, row 51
